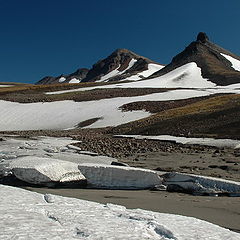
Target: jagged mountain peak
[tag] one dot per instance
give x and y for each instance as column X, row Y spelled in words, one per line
column 210, row 58
column 202, row 37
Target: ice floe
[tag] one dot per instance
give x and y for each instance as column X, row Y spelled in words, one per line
column 119, row 177
column 46, row 171
column 13, row 148
column 29, row 215
column 199, row 184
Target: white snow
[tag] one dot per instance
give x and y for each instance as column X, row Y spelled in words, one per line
column 39, row 170
column 201, row 184
column 67, row 114
column 234, row 61
column 61, row 79
column 116, row 72
column 74, row 80
column 152, row 68
column 29, row 215
column 230, row 143
column 6, row 85
column 119, row 177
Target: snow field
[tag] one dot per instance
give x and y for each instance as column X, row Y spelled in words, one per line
column 29, row 215
column 68, row 114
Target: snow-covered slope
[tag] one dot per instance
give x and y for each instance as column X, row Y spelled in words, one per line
column 116, row 72
column 68, row 114
column 29, row 215
column 152, row 68
column 234, row 61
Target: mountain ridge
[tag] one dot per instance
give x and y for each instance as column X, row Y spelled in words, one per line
column 216, row 65
column 120, row 64
column 207, row 56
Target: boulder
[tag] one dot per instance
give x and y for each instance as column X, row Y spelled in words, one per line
column 47, row 171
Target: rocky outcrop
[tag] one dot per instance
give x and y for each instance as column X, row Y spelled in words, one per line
column 202, row 37
column 74, row 77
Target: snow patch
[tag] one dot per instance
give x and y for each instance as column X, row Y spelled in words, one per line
column 116, row 72
column 234, row 61
column 6, row 85
column 74, row 80
column 230, row 143
column 61, row 79
column 152, row 68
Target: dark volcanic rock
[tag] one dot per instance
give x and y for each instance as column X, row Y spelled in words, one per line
column 207, row 56
column 202, row 37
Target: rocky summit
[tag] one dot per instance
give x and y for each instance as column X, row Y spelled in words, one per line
column 213, row 60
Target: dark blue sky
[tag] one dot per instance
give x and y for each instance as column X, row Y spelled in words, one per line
column 50, row 37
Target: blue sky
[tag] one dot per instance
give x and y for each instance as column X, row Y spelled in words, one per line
column 51, row 37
